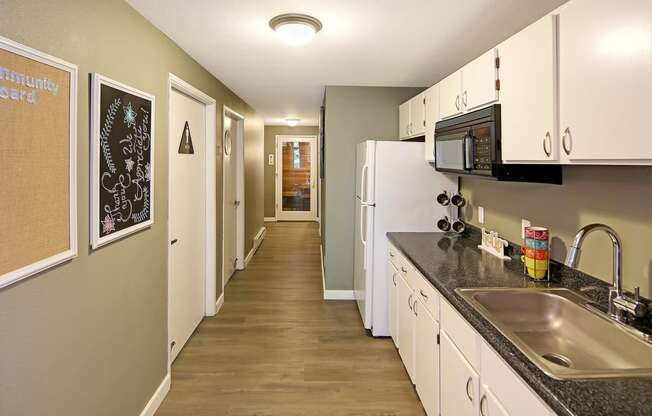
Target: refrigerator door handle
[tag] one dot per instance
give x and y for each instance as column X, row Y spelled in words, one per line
column 363, row 182
column 363, row 239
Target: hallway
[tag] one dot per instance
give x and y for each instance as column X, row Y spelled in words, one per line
column 277, row 348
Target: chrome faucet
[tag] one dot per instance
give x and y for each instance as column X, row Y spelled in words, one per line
column 618, row 303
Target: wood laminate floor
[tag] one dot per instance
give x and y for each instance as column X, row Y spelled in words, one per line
column 277, row 348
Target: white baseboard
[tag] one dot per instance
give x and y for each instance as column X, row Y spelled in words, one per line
column 257, row 242
column 219, row 303
column 339, row 295
column 152, row 406
column 270, row 219
column 323, row 273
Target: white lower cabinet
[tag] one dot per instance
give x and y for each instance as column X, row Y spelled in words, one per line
column 426, row 359
column 392, row 300
column 489, row 404
column 459, row 386
column 406, row 325
column 455, row 371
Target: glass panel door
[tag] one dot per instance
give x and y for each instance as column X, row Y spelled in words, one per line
column 296, row 182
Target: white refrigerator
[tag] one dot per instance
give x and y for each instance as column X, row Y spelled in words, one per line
column 395, row 191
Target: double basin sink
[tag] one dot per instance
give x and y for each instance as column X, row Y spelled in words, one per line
column 560, row 332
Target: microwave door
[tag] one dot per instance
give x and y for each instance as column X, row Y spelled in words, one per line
column 451, row 153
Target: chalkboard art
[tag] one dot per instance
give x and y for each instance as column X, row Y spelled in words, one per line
column 122, row 171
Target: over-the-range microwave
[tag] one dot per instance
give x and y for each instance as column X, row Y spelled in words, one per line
column 470, row 144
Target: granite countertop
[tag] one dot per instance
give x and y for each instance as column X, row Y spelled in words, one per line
column 451, row 262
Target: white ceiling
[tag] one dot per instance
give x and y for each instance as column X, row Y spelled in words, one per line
column 363, row 42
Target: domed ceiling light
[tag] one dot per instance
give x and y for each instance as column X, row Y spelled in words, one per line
column 292, row 121
column 295, row 29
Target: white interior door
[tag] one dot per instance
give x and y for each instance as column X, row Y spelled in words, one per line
column 187, row 219
column 296, row 182
column 231, row 201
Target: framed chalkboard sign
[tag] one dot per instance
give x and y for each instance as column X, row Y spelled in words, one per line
column 122, row 160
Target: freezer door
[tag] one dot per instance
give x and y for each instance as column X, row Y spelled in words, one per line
column 363, row 264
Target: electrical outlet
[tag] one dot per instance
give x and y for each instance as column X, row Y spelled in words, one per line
column 481, row 215
column 524, row 223
column 270, row 159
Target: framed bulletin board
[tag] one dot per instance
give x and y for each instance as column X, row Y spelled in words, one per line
column 38, row 148
column 122, row 160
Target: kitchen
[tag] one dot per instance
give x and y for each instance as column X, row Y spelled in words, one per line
column 410, row 208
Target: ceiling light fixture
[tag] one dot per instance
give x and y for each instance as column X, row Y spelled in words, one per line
column 292, row 121
column 295, row 29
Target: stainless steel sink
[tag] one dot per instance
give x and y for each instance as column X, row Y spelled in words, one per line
column 562, row 335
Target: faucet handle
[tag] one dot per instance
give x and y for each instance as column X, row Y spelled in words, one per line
column 637, row 294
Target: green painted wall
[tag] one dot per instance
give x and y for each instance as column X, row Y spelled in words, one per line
column 618, row 196
column 89, row 336
column 353, row 114
column 270, row 149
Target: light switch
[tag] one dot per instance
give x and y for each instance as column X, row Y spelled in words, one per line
column 270, row 159
column 481, row 215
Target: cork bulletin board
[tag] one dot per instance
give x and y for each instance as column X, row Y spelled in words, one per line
column 122, row 171
column 38, row 206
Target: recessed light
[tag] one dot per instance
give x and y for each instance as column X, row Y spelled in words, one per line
column 295, row 29
column 292, row 121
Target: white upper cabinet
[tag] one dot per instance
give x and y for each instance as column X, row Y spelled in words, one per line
column 528, row 71
column 404, row 120
column 605, row 84
column 412, row 117
column 432, row 117
column 450, row 100
column 472, row 87
column 418, row 114
column 479, row 81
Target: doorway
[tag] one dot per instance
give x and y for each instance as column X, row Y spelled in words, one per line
column 296, row 181
column 191, row 212
column 233, row 193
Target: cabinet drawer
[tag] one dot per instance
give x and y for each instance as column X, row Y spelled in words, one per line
column 461, row 333
column 426, row 293
column 392, row 254
column 511, row 391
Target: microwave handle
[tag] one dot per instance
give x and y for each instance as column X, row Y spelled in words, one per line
column 468, row 152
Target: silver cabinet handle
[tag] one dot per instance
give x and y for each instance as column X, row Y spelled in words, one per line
column 567, row 134
column 414, row 308
column 423, row 294
column 468, row 393
column 403, row 269
column 547, row 144
column 465, row 98
column 483, row 402
column 391, row 254
column 410, row 301
column 457, row 102
column 394, row 278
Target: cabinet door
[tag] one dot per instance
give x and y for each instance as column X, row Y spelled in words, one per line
column 418, row 115
column 406, row 326
column 479, row 81
column 404, row 120
column 459, row 387
column 527, row 94
column 606, row 81
column 450, row 100
column 432, row 117
column 426, row 359
column 394, row 278
column 489, row 404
